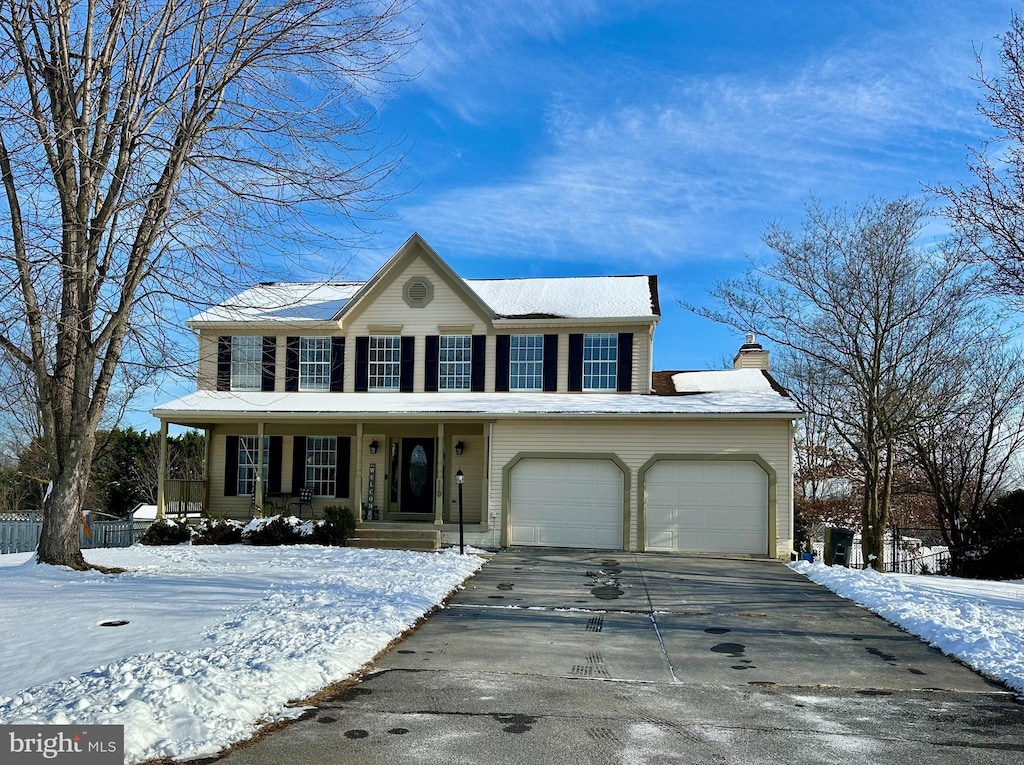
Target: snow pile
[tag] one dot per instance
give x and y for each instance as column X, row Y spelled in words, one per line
column 218, row 640
column 979, row 622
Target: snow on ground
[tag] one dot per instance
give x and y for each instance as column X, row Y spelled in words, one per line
column 218, row 640
column 979, row 622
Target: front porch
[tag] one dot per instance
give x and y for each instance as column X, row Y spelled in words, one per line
column 395, row 475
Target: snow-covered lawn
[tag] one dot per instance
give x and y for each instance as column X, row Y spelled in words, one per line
column 218, row 639
column 981, row 623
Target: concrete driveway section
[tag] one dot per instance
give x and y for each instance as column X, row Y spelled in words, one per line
column 581, row 656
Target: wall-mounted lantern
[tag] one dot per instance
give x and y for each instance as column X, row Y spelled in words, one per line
column 373, row 446
column 459, row 448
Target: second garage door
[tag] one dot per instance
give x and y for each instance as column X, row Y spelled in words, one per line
column 566, row 503
column 706, row 506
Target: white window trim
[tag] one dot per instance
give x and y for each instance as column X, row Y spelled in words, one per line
column 307, row 365
column 249, row 343
column 327, row 445
column 612, row 344
column 513, row 362
column 395, row 343
column 246, row 446
column 464, row 343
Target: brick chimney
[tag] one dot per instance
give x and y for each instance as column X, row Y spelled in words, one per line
column 751, row 355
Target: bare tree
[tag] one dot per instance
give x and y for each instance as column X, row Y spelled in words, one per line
column 159, row 150
column 824, row 468
column 872, row 315
column 969, row 450
column 989, row 213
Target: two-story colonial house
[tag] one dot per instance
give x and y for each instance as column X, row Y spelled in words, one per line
column 538, row 393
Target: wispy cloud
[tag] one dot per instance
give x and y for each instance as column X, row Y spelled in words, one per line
column 648, row 163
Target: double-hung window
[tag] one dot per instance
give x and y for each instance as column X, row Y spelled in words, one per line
column 248, row 460
column 454, row 364
column 321, row 464
column 385, row 356
column 314, row 363
column 246, row 362
column 600, row 362
column 526, row 362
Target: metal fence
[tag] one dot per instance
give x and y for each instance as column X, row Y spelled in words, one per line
column 20, row 533
column 901, row 560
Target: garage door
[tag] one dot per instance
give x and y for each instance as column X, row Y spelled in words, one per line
column 566, row 503
column 706, row 506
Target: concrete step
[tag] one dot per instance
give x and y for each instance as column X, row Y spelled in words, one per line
column 422, row 540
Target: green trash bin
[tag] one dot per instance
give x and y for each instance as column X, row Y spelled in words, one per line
column 838, row 546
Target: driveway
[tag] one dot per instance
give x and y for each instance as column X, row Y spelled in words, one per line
column 590, row 657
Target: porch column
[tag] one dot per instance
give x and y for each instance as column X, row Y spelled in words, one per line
column 439, row 480
column 207, row 435
column 358, row 508
column 258, row 483
column 161, row 474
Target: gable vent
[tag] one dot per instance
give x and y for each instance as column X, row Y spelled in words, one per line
column 418, row 292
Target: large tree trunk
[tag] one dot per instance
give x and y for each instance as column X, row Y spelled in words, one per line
column 875, row 507
column 60, row 541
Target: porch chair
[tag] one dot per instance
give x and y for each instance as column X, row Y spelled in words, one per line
column 305, row 499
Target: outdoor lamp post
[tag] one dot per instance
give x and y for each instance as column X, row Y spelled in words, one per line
column 460, row 478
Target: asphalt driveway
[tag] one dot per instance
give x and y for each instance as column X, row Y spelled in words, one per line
column 592, row 657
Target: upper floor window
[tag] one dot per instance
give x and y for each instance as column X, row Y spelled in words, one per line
column 321, row 464
column 246, row 362
column 454, row 364
column 385, row 356
column 600, row 361
column 248, row 460
column 526, row 362
column 314, row 363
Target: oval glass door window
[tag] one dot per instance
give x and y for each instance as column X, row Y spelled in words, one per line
column 418, row 470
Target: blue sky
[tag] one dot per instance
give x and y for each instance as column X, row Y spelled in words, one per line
column 587, row 137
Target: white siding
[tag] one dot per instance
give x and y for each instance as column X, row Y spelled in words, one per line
column 389, row 309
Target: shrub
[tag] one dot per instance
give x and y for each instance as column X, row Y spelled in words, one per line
column 337, row 526
column 279, row 530
column 166, row 532
column 217, row 531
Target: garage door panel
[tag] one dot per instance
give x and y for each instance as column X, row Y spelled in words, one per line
column 706, row 506
column 566, row 503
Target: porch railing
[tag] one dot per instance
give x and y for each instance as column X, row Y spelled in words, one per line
column 184, row 496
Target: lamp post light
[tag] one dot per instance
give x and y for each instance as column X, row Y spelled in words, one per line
column 460, row 478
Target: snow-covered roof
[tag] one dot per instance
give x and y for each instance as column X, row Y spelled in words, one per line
column 501, row 405
column 574, row 297
column 722, row 380
column 587, row 297
column 283, row 301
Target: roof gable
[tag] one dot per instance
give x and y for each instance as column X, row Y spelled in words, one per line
column 415, row 248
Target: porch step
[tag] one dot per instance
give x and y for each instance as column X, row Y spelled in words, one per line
column 421, row 540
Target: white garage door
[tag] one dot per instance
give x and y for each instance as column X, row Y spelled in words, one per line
column 566, row 503
column 707, row 506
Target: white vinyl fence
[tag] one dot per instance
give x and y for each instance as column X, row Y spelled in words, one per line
column 20, row 532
